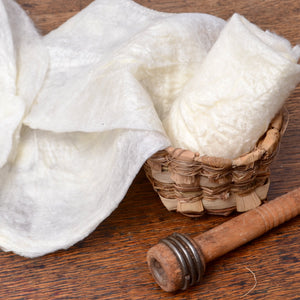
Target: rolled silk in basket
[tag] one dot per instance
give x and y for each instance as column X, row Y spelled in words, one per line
column 80, row 113
column 236, row 92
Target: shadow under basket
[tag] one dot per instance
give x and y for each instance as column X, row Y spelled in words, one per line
column 194, row 184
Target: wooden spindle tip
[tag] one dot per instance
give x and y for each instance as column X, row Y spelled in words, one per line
column 165, row 268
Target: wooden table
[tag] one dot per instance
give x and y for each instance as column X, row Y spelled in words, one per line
column 110, row 263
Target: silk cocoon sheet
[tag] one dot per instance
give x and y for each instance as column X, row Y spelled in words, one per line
column 243, row 82
column 114, row 71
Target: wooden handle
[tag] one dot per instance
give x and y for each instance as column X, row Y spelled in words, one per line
column 179, row 261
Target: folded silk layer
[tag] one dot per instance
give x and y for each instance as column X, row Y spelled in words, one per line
column 24, row 62
column 114, row 71
column 243, row 82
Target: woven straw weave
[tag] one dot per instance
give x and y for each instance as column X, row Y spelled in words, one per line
column 194, row 184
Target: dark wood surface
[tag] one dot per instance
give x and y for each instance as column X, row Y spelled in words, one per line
column 110, row 263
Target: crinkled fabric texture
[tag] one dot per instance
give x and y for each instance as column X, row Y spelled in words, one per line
column 240, row 86
column 82, row 123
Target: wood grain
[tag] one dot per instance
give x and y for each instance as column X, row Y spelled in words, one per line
column 110, row 263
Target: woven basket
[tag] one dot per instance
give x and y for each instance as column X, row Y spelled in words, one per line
column 194, row 184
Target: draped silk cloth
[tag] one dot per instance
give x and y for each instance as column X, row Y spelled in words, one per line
column 81, row 111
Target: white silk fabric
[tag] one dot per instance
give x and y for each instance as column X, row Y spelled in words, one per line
column 81, row 111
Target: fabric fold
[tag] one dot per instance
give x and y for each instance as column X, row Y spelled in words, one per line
column 24, row 62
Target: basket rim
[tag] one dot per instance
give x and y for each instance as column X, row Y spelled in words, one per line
column 265, row 146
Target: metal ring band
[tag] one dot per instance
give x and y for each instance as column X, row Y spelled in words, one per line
column 188, row 257
column 198, row 263
column 192, row 275
column 181, row 260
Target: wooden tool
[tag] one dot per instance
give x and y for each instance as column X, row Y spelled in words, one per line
column 178, row 261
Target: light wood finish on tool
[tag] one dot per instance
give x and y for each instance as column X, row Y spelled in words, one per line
column 248, row 226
